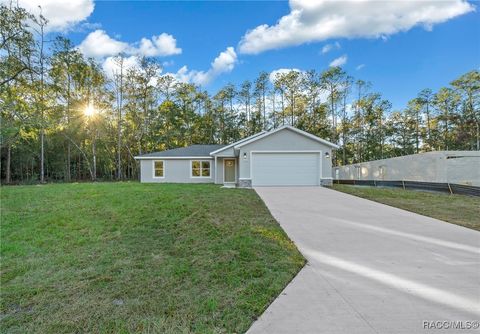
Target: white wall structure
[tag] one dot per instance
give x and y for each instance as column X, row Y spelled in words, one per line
column 459, row 167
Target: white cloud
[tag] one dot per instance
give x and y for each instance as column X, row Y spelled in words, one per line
column 340, row 61
column 168, row 63
column 329, row 47
column 62, row 15
column 318, row 20
column 111, row 66
column 223, row 63
column 280, row 71
column 162, row 45
column 359, row 67
column 99, row 44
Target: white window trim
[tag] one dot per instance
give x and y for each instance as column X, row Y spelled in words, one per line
column 153, row 169
column 200, row 177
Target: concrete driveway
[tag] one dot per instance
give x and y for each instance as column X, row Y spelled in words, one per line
column 371, row 268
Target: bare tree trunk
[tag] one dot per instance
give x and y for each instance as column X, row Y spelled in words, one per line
column 264, row 111
column 90, row 170
column 344, row 130
column 42, row 154
column 417, row 141
column 293, row 108
column 332, row 107
column 42, row 106
column 69, row 149
column 445, row 133
column 94, row 152
column 428, row 126
column 119, row 107
column 478, row 137
column 133, row 165
column 273, row 111
column 8, row 166
column 119, row 148
column 69, row 162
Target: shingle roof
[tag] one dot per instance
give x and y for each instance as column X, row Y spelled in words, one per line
column 189, row 151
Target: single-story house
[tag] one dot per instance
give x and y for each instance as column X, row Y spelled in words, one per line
column 285, row 156
column 457, row 167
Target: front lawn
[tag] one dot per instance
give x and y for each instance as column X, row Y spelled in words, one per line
column 131, row 257
column 456, row 209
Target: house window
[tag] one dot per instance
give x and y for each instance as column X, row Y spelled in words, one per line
column 158, row 170
column 200, row 168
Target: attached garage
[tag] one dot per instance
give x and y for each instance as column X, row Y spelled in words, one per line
column 285, row 156
column 286, row 168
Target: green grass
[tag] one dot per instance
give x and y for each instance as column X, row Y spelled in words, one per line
column 131, row 257
column 456, row 209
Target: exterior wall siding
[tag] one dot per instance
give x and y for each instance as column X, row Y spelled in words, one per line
column 219, row 174
column 220, row 164
column 461, row 167
column 227, row 152
column 285, row 140
column 175, row 171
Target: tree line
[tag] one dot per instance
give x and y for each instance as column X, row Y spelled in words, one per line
column 64, row 119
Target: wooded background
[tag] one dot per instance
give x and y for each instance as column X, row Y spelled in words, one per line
column 64, row 119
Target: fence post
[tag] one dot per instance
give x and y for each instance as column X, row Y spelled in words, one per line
column 450, row 188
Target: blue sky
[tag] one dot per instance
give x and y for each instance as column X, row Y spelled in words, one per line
column 398, row 64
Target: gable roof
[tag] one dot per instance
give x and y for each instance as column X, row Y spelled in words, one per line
column 237, row 142
column 182, row 152
column 289, row 127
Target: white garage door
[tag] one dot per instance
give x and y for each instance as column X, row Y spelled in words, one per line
column 285, row 169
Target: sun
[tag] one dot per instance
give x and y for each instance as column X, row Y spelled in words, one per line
column 89, row 110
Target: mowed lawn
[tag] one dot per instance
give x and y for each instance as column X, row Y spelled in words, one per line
column 456, row 209
column 131, row 257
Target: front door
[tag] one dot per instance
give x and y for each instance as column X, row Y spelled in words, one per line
column 229, row 170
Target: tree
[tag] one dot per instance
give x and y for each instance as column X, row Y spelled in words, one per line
column 16, row 48
column 425, row 98
column 261, row 87
column 67, row 68
column 37, row 64
column 345, row 128
column 280, row 86
column 401, row 128
column 118, row 81
column 468, row 87
column 293, row 84
column 413, row 111
column 63, row 118
column 245, row 98
column 312, row 88
column 332, row 80
column 447, row 101
column 16, row 40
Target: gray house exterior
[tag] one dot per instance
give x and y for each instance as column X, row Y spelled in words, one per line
column 458, row 167
column 285, row 156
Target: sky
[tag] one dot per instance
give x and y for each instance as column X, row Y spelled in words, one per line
column 400, row 47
